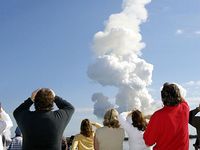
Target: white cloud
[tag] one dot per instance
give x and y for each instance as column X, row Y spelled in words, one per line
column 84, row 110
column 193, row 91
column 179, row 31
column 193, row 83
column 197, row 32
column 118, row 62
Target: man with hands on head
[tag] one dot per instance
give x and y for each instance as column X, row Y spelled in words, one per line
column 194, row 120
column 43, row 128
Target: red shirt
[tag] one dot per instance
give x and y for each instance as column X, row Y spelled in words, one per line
column 168, row 128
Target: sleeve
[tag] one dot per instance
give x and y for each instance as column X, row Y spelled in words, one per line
column 194, row 120
column 75, row 143
column 97, row 125
column 124, row 123
column 151, row 133
column 65, row 106
column 2, row 126
column 24, row 107
column 5, row 117
column 96, row 142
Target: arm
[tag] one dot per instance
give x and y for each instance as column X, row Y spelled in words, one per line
column 147, row 117
column 64, row 105
column 194, row 120
column 96, row 143
column 151, row 132
column 5, row 117
column 24, row 107
column 2, row 126
column 97, row 125
column 74, row 143
column 123, row 122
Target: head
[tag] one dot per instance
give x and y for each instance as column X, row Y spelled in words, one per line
column 44, row 100
column 171, row 95
column 111, row 119
column 86, row 128
column 138, row 120
column 64, row 144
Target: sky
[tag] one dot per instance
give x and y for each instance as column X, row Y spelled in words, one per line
column 49, row 43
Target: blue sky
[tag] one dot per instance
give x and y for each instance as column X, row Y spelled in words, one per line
column 48, row 44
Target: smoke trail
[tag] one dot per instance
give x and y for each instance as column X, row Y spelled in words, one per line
column 118, row 63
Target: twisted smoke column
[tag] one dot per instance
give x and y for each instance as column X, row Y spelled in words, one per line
column 118, row 60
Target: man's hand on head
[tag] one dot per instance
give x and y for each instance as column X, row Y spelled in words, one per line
column 34, row 94
column 53, row 93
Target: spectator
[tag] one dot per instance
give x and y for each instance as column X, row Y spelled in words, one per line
column 168, row 127
column 134, row 129
column 195, row 122
column 5, row 125
column 43, row 128
column 16, row 143
column 64, row 144
column 111, row 136
column 84, row 140
column 70, row 141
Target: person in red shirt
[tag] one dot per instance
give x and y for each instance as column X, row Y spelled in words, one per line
column 168, row 127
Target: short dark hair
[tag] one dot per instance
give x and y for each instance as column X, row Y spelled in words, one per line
column 171, row 95
column 138, row 120
column 44, row 100
column 86, row 128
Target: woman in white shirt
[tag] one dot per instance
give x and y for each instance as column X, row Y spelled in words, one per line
column 134, row 128
column 5, row 125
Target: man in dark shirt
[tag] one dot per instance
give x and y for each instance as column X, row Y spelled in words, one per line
column 195, row 122
column 43, row 128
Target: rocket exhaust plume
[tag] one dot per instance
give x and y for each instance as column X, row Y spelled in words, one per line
column 118, row 60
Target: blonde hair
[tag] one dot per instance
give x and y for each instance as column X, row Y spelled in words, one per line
column 111, row 119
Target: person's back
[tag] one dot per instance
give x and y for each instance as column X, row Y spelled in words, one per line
column 85, row 140
column 43, row 129
column 110, row 138
column 134, row 129
column 168, row 127
column 171, row 125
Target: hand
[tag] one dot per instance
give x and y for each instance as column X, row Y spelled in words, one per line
column 147, row 117
column 34, row 94
column 198, row 107
column 53, row 93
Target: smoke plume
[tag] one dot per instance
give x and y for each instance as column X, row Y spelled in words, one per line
column 118, row 59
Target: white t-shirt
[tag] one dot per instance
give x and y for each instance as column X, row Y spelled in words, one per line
column 135, row 140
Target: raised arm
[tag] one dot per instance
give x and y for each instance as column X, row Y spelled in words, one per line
column 151, row 132
column 5, row 117
column 23, row 108
column 194, row 120
column 2, row 126
column 64, row 105
column 123, row 121
column 97, row 125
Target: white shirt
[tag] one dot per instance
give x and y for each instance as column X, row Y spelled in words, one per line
column 5, row 125
column 135, row 140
